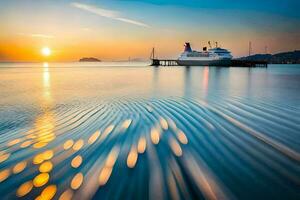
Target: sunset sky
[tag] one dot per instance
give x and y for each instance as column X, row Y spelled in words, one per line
column 118, row 29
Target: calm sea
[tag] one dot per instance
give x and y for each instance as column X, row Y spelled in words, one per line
column 130, row 131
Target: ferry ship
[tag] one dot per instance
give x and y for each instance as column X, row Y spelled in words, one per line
column 208, row 57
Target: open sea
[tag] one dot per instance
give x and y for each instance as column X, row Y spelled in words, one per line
column 131, row 131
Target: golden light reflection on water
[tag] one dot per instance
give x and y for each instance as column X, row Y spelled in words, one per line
column 132, row 157
column 164, row 123
column 142, row 145
column 43, row 131
column 76, row 162
column 48, row 193
column 126, row 124
column 19, row 167
column 66, row 195
column 14, row 142
column 104, row 175
column 38, row 159
column 4, row 174
column 24, row 189
column 172, row 124
column 26, row 144
column 106, row 171
column 182, row 137
column 41, row 157
column 112, row 157
column 4, row 156
column 68, row 144
column 94, row 137
column 77, row 181
column 107, row 131
column 78, row 145
column 175, row 147
column 46, row 75
column 41, row 179
column 154, row 134
column 205, row 79
column 92, row 129
column 46, row 167
column 47, row 155
column 44, row 126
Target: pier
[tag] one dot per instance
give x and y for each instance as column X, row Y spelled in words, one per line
column 159, row 62
column 233, row 63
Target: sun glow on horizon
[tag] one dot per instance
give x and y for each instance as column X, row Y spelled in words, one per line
column 46, row 51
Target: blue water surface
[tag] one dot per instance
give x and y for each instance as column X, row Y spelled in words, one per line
column 130, row 131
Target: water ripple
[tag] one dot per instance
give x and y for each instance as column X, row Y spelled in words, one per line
column 167, row 148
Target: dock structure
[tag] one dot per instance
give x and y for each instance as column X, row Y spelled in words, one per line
column 233, row 63
column 159, row 62
column 248, row 63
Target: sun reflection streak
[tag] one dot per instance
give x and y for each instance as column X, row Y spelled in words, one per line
column 43, row 132
column 46, row 81
column 205, row 79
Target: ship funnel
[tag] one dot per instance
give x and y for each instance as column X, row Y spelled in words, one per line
column 187, row 47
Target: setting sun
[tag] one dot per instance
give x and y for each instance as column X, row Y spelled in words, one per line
column 46, row 51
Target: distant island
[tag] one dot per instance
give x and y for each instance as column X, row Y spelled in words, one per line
column 292, row 57
column 90, row 59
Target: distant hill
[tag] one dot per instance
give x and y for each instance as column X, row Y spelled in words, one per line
column 292, row 57
column 90, row 59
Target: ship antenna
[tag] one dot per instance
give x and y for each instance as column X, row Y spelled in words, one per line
column 209, row 44
column 250, row 48
column 266, row 49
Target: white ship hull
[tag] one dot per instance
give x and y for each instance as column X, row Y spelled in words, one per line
column 211, row 57
column 224, row 62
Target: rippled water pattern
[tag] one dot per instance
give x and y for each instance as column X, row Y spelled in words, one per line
column 113, row 131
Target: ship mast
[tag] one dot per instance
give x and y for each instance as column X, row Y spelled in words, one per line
column 152, row 55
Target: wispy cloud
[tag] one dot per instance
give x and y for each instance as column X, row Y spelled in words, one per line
column 37, row 35
column 107, row 13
